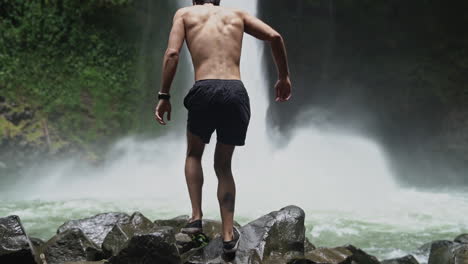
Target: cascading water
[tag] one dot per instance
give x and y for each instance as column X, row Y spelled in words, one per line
column 341, row 180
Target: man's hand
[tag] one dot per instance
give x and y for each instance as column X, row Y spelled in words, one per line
column 283, row 90
column 163, row 107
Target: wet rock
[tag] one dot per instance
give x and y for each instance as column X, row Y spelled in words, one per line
column 87, row 262
column 184, row 243
column 157, row 246
column 441, row 251
column 211, row 228
column 71, row 245
column 15, row 246
column 97, row 227
column 36, row 242
column 361, row 257
column 449, row 254
column 308, row 246
column 176, row 223
column 301, row 261
column 409, row 259
column 338, row 255
column 122, row 232
column 274, row 238
column 462, row 239
column 426, row 248
column 460, row 254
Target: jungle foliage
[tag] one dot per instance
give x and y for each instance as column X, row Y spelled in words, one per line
column 73, row 57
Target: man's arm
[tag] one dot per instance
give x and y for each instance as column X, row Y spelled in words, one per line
column 171, row 57
column 257, row 28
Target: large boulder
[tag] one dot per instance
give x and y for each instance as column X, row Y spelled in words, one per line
column 450, row 254
column 441, row 251
column 339, row 255
column 97, row 227
column 122, row 232
column 70, row 246
column 463, row 238
column 155, row 246
column 308, row 246
column 361, row 257
column 211, row 228
column 15, row 246
column 274, row 238
column 409, row 259
column 426, row 248
column 176, row 223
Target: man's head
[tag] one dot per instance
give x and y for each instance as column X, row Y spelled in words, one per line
column 202, row 2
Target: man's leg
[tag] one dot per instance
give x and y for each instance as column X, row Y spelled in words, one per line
column 194, row 173
column 226, row 187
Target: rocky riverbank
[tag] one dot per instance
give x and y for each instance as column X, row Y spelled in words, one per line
column 278, row 237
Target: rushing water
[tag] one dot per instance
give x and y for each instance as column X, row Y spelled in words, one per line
column 341, row 180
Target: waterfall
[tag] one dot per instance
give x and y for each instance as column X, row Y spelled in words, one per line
column 341, row 179
column 318, row 161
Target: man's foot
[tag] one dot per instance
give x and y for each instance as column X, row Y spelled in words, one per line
column 230, row 247
column 192, row 228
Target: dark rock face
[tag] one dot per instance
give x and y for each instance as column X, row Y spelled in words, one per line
column 339, row 255
column 97, row 227
column 184, row 243
column 308, row 246
column 449, row 254
column 176, row 223
column 15, row 246
column 70, row 246
column 157, row 246
column 409, row 259
column 440, row 251
column 122, row 232
column 275, row 237
column 211, row 228
column 426, row 248
column 462, row 239
column 361, row 257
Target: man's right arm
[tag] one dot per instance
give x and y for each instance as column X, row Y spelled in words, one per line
column 257, row 28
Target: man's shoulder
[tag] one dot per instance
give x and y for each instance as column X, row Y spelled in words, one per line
column 194, row 9
column 181, row 11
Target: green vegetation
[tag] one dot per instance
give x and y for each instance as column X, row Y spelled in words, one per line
column 73, row 62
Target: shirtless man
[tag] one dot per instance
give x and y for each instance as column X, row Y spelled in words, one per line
column 218, row 100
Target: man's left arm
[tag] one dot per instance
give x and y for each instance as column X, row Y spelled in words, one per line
column 169, row 68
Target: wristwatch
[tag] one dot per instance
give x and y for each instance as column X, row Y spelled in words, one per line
column 165, row 96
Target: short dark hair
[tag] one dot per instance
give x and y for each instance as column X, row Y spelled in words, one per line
column 201, row 2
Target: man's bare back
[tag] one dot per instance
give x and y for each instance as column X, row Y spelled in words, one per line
column 214, row 38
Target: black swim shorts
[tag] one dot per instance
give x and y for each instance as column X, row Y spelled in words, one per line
column 221, row 105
